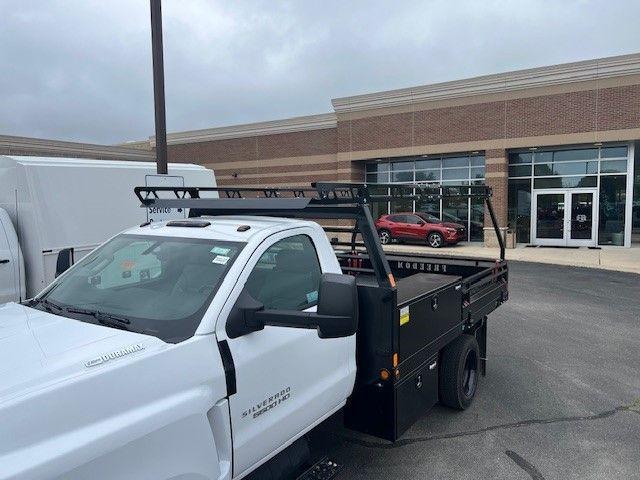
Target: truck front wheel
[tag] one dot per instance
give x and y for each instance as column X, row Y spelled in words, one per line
column 458, row 376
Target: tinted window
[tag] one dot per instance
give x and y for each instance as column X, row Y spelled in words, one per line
column 287, row 276
column 397, row 218
column 413, row 219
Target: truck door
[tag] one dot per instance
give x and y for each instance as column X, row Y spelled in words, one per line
column 9, row 286
column 287, row 379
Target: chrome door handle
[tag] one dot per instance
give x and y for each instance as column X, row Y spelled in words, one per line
column 4, row 260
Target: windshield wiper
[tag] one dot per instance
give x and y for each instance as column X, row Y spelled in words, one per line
column 107, row 319
column 48, row 305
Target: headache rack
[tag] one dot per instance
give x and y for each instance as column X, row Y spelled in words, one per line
column 320, row 200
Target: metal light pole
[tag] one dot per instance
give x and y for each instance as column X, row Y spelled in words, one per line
column 158, row 86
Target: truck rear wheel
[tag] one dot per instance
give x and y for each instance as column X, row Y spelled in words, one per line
column 458, row 379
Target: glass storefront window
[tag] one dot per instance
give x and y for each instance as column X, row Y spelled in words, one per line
column 543, row 157
column 455, row 210
column 612, row 208
column 455, row 162
column 569, row 168
column 431, row 207
column 520, row 170
column 455, row 173
column 477, row 161
column 565, row 182
column 519, row 210
column 380, row 177
column 401, row 206
column 613, row 152
column 477, row 173
column 445, row 170
column 402, row 176
column 427, row 164
column 428, row 175
column 400, row 166
column 520, row 157
column 378, row 167
column 613, row 166
column 577, row 154
column 378, row 209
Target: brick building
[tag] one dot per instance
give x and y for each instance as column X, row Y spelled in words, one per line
column 557, row 144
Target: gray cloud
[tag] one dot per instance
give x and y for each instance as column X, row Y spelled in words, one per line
column 81, row 70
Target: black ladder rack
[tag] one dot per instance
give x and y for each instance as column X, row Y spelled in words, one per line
column 320, row 200
column 325, row 193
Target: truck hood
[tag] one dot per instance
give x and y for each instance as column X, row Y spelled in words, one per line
column 39, row 349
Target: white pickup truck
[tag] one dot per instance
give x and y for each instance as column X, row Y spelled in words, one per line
column 201, row 348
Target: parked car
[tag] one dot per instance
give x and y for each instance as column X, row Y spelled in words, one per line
column 421, row 227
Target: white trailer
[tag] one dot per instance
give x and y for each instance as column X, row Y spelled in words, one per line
column 53, row 205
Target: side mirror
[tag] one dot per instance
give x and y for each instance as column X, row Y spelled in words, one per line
column 421, row 222
column 64, row 262
column 336, row 316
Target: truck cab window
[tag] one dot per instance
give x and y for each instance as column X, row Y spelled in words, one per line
column 287, row 275
column 154, row 285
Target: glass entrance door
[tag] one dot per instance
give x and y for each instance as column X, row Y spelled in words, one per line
column 564, row 217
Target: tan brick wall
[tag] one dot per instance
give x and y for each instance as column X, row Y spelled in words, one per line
column 613, row 108
column 492, row 124
column 286, row 158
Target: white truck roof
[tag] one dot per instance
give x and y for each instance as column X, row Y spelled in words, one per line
column 225, row 228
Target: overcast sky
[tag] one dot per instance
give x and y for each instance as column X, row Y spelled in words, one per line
column 81, row 69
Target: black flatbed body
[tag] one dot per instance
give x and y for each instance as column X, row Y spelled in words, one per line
column 411, row 306
column 402, row 332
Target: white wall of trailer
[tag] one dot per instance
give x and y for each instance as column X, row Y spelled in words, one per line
column 58, row 203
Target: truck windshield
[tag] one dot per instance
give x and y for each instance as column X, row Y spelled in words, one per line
column 159, row 286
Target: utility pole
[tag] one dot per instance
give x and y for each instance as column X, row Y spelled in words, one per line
column 158, row 86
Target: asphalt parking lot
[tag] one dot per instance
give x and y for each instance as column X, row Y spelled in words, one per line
column 561, row 399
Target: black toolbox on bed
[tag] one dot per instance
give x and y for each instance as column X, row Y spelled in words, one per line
column 425, row 311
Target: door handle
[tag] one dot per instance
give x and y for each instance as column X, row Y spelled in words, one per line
column 4, row 260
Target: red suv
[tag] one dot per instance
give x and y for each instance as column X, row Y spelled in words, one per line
column 419, row 227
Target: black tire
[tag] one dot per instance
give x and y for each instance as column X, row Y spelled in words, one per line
column 459, row 372
column 385, row 236
column 435, row 240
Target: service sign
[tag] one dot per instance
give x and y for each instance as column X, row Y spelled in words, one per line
column 155, row 214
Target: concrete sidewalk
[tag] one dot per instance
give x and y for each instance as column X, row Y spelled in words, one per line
column 618, row 259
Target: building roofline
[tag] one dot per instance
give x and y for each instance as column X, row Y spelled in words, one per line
column 13, row 145
column 574, row 72
column 496, row 83
column 271, row 127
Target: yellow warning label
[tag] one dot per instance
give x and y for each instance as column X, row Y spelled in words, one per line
column 404, row 315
